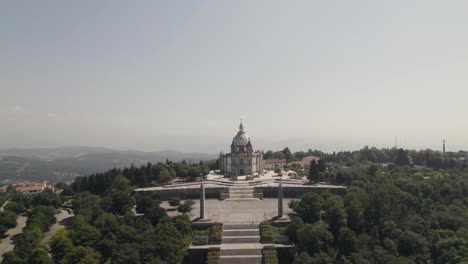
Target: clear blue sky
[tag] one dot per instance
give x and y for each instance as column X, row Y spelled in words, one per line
column 155, row 75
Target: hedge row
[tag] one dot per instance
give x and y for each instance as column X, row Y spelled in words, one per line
column 216, row 233
column 266, row 232
column 213, row 256
column 269, row 255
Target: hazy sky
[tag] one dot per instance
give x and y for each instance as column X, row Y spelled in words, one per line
column 154, row 75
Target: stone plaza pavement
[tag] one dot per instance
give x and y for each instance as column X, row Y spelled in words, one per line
column 236, row 211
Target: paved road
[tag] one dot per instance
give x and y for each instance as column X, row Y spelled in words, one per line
column 63, row 218
column 236, row 211
column 8, row 244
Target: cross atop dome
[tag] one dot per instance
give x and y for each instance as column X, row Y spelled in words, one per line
column 241, row 127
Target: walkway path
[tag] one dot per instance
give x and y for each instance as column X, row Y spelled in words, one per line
column 63, row 217
column 3, row 206
column 8, row 243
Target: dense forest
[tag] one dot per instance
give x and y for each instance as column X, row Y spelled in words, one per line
column 428, row 157
column 394, row 214
column 394, row 211
column 149, row 174
column 104, row 230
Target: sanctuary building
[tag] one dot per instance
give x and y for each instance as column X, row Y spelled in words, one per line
column 242, row 160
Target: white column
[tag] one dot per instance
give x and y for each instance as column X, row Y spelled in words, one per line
column 202, row 200
column 280, row 199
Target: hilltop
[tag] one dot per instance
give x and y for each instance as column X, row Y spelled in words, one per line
column 56, row 164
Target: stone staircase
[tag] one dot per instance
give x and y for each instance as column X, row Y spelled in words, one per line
column 241, row 192
column 241, row 244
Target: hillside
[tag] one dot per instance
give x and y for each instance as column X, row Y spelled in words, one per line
column 66, row 163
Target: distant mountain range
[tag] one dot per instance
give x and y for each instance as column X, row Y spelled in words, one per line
column 56, row 164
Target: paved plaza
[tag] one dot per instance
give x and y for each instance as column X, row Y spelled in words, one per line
column 236, row 211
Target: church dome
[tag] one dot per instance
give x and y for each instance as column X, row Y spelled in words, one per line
column 241, row 139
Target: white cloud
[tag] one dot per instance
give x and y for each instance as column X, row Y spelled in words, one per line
column 18, row 110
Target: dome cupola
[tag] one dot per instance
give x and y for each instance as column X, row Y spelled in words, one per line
column 240, row 141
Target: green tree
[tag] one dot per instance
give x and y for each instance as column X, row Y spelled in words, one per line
column 335, row 214
column 314, row 172
column 40, row 256
column 291, row 229
column 165, row 176
column 144, row 202
column 314, row 238
column 402, row 158
column 411, row 244
column 87, row 205
column 60, row 244
column 303, row 258
column 346, row 241
column 194, row 172
column 47, row 198
column 288, row 155
column 126, row 253
column 174, row 202
column 169, row 245
column 119, row 199
column 84, row 234
column 82, row 255
column 42, row 216
column 155, row 214
column 309, row 207
column 186, row 207
column 322, row 165
column 12, row 258
column 107, row 223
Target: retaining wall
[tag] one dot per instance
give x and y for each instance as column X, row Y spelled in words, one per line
column 187, row 193
column 296, row 191
column 215, row 192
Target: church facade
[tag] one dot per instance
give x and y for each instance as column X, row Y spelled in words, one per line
column 242, row 160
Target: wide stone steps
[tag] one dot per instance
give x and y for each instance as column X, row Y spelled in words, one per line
column 241, row 191
column 241, row 232
column 241, row 259
column 240, row 239
column 241, row 195
column 241, row 244
column 241, row 251
column 235, row 226
column 241, row 188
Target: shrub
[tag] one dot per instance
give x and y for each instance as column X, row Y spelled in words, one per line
column 216, row 233
column 266, row 232
column 269, row 255
column 213, row 256
column 186, row 207
column 200, row 240
column 174, row 201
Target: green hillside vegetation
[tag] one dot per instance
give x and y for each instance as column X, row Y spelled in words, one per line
column 40, row 210
column 390, row 214
column 142, row 176
column 394, row 211
column 67, row 163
